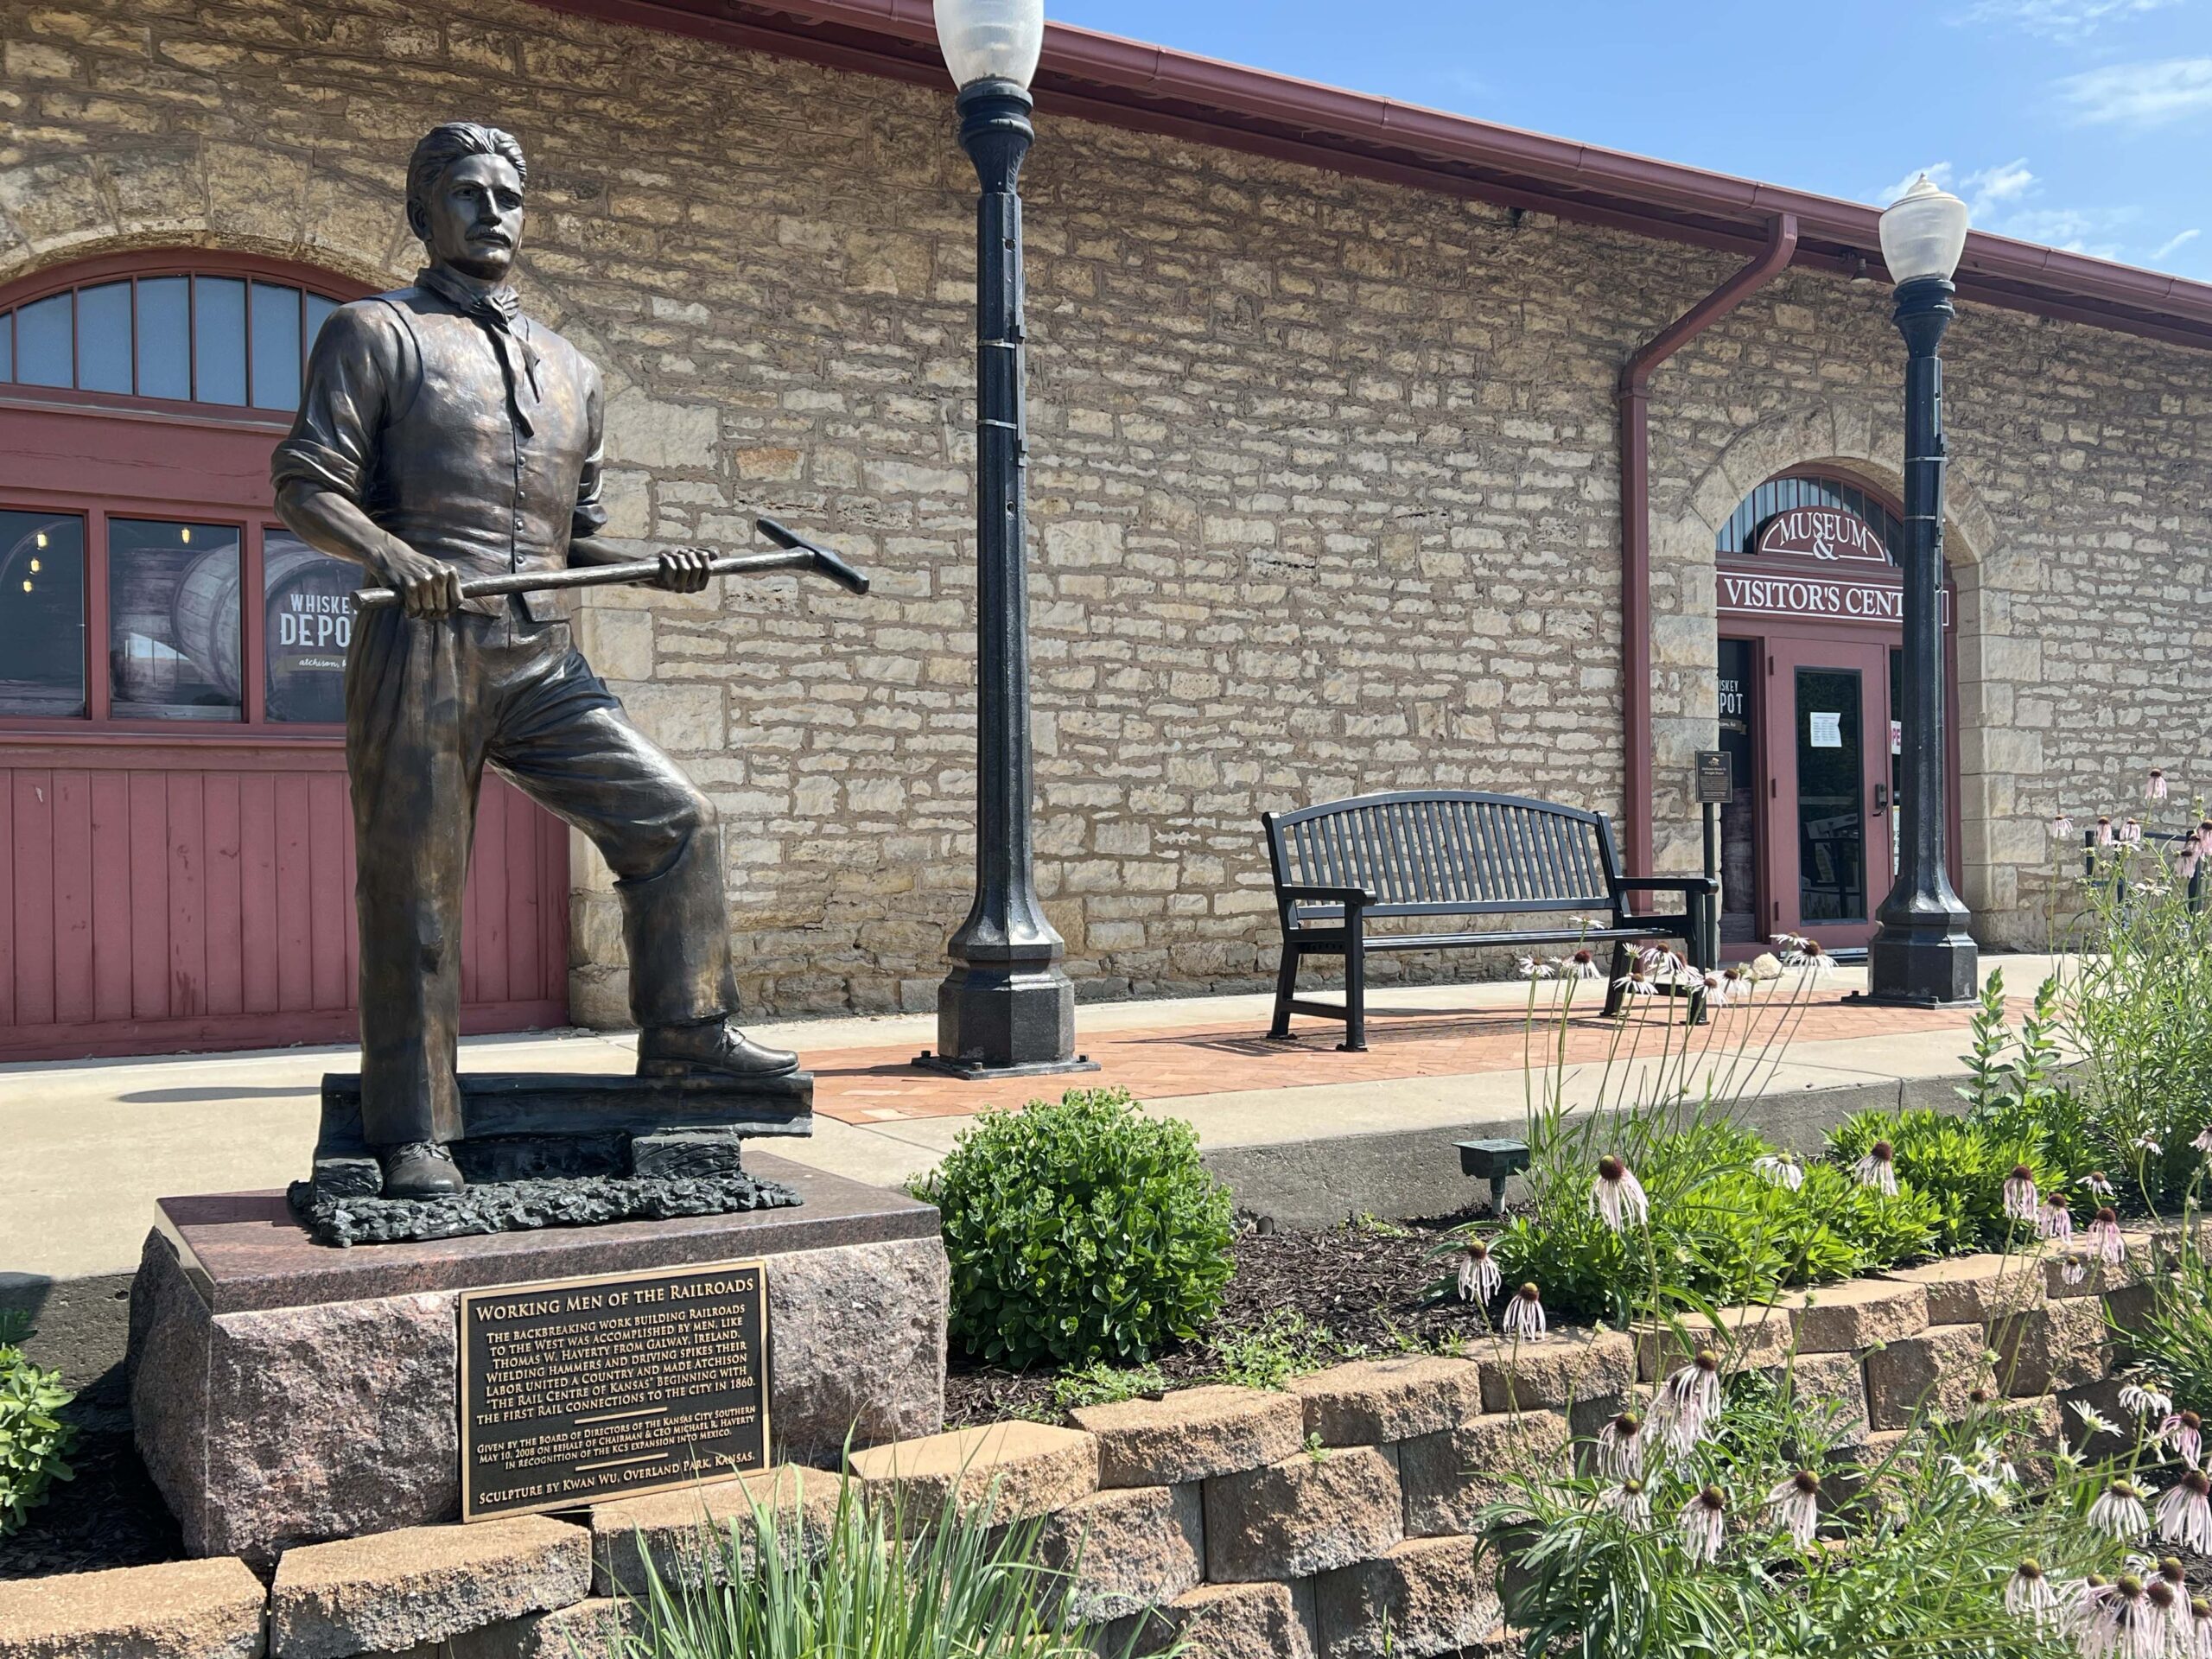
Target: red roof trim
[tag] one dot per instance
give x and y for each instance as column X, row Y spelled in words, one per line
column 1133, row 83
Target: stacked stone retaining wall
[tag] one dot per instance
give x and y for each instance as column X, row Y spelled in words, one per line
column 1253, row 1524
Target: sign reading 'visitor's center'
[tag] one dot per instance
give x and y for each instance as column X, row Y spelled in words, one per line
column 1816, row 598
column 590, row 1389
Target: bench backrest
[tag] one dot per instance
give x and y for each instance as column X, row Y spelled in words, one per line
column 1446, row 852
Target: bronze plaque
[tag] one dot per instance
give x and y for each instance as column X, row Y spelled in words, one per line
column 582, row 1389
column 1716, row 777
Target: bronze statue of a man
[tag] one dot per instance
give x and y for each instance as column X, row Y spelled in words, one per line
column 443, row 434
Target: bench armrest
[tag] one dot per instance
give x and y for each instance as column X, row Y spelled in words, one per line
column 1667, row 884
column 1308, row 892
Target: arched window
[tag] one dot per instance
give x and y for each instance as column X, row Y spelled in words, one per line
column 1740, row 534
column 180, row 336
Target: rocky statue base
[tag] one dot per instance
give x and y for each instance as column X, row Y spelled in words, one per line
column 286, row 1393
column 559, row 1150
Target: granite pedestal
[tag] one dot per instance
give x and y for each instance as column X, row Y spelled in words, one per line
column 287, row 1392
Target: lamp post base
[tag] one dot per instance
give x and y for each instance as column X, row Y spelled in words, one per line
column 1940, row 973
column 1004, row 1021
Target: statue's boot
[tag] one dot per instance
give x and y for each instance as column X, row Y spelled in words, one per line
column 419, row 1169
column 713, row 1048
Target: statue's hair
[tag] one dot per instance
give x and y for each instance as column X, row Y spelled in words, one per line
column 442, row 146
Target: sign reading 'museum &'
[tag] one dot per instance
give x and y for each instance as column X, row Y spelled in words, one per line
column 587, row 1388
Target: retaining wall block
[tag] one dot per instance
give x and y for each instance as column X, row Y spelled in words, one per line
column 1192, row 1434
column 1837, row 1381
column 1128, row 1549
column 1010, row 1471
column 392, row 1590
column 2058, row 1345
column 1433, row 1595
column 178, row 1609
column 1746, row 1338
column 1448, row 1477
column 585, row 1630
column 1857, row 1315
column 1975, row 1289
column 686, row 1534
column 1259, row 1620
column 1372, row 1400
column 1311, row 1513
column 1553, row 1372
column 1938, row 1369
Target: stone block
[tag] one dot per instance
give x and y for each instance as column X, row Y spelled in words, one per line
column 1308, row 1514
column 1371, row 1401
column 1836, row 1382
column 1938, row 1370
column 1009, row 1471
column 686, row 1534
column 1448, row 1476
column 2059, row 1346
column 1858, row 1314
column 588, row 1630
column 179, row 1609
column 1554, row 1372
column 1128, row 1549
column 1430, row 1595
column 1192, row 1433
column 1240, row 1621
column 1974, row 1289
column 393, row 1590
column 1746, row 1338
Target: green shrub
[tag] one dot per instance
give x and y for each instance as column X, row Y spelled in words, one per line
column 33, row 1440
column 1079, row 1231
column 1960, row 1164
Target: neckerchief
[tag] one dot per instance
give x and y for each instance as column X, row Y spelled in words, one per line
column 495, row 313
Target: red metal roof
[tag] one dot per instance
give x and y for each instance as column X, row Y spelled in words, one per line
column 1131, row 84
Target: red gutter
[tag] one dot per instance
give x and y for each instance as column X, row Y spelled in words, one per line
column 1636, row 520
column 1141, row 82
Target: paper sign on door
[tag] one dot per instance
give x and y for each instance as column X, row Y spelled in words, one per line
column 1828, row 730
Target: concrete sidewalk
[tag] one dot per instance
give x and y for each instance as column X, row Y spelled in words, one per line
column 1302, row 1131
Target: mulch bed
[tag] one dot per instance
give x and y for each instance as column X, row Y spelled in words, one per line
column 1364, row 1285
column 109, row 1515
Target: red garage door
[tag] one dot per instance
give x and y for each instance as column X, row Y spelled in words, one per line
column 175, row 839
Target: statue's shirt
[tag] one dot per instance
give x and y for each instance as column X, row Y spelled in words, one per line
column 473, row 437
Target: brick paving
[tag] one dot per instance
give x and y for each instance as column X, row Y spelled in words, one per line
column 881, row 1084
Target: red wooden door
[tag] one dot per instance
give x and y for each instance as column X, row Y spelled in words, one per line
column 1826, row 726
column 177, row 859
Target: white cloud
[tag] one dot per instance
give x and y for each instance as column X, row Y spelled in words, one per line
column 1941, row 172
column 2095, row 232
column 2174, row 245
column 1992, row 186
column 2057, row 20
column 2141, row 94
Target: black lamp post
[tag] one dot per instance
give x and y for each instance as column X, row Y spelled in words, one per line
column 1922, row 954
column 1006, row 1009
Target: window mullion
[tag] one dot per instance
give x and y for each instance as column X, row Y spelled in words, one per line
column 253, row 645
column 99, row 693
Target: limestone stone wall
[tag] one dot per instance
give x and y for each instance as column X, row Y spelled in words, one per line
column 1325, row 477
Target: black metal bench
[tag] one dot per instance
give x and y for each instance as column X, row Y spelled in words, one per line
column 1449, row 852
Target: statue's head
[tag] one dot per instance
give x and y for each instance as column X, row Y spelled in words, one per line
column 464, row 198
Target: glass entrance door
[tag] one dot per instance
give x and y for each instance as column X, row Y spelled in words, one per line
column 1827, row 766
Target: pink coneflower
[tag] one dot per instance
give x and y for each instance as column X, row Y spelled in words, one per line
column 2185, row 1513
column 2185, row 1432
column 2199, row 1644
column 1637, row 982
column 2185, row 866
column 1720, row 988
column 2203, row 1142
column 2145, row 1401
column 2098, row 1183
column 1581, row 965
column 1524, row 1314
column 2119, row 1621
column 2204, row 836
column 2062, row 827
column 1741, row 981
column 1628, row 1500
column 2119, row 1512
column 2076, row 1269
column 2104, row 829
column 1479, row 1278
column 1705, row 1520
column 1617, row 1195
column 1620, row 1446
column 2020, row 1193
column 1799, row 952
column 1537, row 968
column 2030, row 1591
column 1795, row 1505
column 2130, row 834
column 1782, row 1169
column 2154, row 786
column 1879, row 1169
column 2054, row 1220
column 2147, row 1143
column 2104, row 1236
column 1690, row 1399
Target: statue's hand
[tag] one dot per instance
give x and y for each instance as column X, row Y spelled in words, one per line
column 683, row 570
column 426, row 587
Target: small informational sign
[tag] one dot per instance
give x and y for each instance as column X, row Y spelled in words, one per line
column 1828, row 730
column 1896, row 737
column 591, row 1388
column 1716, row 777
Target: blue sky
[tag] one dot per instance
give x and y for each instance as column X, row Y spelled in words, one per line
column 2083, row 123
